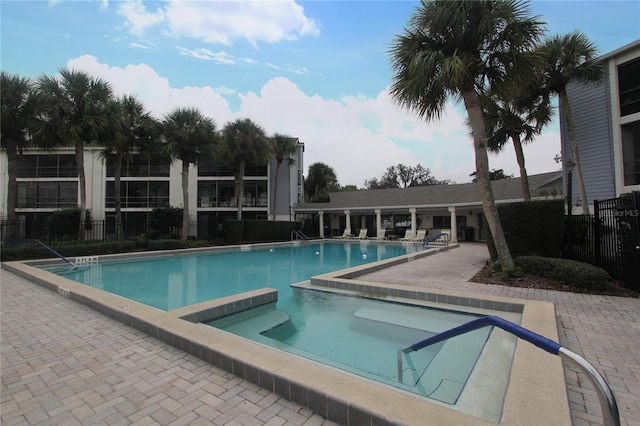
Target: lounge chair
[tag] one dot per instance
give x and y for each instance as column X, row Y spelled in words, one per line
column 409, row 235
column 362, row 235
column 381, row 235
column 420, row 235
column 346, row 234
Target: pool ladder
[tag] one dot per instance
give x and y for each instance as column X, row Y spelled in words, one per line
column 610, row 413
column 73, row 265
column 299, row 235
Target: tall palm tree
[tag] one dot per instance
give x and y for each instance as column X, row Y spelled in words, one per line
column 72, row 111
column 460, row 49
column 18, row 109
column 518, row 114
column 244, row 142
column 130, row 128
column 284, row 146
column 571, row 57
column 188, row 136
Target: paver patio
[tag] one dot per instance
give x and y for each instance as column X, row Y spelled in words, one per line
column 63, row 363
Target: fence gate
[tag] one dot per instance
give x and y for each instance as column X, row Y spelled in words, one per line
column 617, row 238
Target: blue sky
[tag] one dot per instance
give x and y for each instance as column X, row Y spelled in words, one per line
column 317, row 70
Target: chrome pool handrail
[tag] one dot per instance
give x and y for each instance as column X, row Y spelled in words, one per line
column 610, row 413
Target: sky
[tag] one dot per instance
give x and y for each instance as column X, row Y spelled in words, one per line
column 316, row 70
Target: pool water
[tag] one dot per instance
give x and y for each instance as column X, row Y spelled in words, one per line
column 173, row 282
column 361, row 336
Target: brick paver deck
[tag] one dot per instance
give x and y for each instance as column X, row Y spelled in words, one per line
column 63, row 363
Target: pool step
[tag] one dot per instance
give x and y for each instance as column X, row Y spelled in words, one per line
column 405, row 320
column 253, row 321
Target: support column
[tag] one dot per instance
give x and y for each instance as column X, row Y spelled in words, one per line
column 347, row 213
column 321, row 223
column 414, row 220
column 378, row 220
column 454, row 225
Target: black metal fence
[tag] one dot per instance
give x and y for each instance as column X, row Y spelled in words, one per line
column 610, row 238
column 14, row 233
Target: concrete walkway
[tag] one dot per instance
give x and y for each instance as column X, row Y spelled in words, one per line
column 63, row 363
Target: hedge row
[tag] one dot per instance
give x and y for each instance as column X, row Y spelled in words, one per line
column 79, row 250
column 570, row 272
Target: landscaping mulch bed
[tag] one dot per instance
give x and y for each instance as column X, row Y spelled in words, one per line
column 488, row 276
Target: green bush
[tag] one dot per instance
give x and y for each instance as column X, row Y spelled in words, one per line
column 532, row 228
column 64, row 224
column 79, row 250
column 166, row 244
column 570, row 272
column 255, row 231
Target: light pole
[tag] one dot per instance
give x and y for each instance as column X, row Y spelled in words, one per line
column 569, row 165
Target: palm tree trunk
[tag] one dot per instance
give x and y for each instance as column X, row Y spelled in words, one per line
column 185, row 200
column 275, row 188
column 240, row 188
column 117, row 195
column 563, row 101
column 472, row 105
column 524, row 179
column 12, row 174
column 82, row 187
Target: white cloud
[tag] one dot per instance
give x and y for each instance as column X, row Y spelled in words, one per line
column 155, row 91
column 138, row 19
column 358, row 137
column 140, row 46
column 220, row 57
column 223, row 21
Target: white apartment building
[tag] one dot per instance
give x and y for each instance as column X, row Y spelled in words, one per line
column 48, row 181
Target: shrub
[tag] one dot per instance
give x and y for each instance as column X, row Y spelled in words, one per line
column 570, row 272
column 77, row 250
column 166, row 244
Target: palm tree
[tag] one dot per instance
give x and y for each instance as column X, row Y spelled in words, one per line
column 17, row 106
column 567, row 58
column 517, row 115
column 459, row 49
column 130, row 128
column 244, row 142
column 284, row 146
column 188, row 136
column 320, row 180
column 73, row 110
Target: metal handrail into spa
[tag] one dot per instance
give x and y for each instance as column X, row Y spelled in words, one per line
column 299, row 235
column 610, row 413
column 52, row 251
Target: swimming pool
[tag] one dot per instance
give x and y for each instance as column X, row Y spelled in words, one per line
column 355, row 334
column 535, row 379
column 171, row 282
column 362, row 336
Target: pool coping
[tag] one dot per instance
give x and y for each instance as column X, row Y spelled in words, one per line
column 536, row 392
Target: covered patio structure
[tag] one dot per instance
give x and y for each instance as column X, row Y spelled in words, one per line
column 455, row 207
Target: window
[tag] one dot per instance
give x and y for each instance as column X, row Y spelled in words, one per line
column 629, row 87
column 631, row 153
column 255, row 194
column 215, row 168
column 47, row 165
column 138, row 194
column 140, row 166
column 47, row 194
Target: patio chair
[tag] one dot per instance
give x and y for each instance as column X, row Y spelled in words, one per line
column 409, row 235
column 381, row 235
column 346, row 234
column 420, row 235
column 362, row 235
